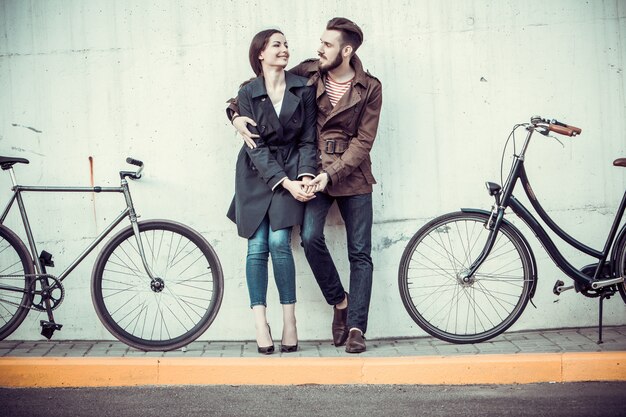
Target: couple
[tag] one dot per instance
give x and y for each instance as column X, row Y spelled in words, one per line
column 308, row 133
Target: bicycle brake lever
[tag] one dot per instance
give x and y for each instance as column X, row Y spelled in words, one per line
column 543, row 130
column 546, row 132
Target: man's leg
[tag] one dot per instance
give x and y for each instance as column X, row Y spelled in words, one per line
column 357, row 213
column 321, row 262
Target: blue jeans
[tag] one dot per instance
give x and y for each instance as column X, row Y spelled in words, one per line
column 356, row 212
column 265, row 241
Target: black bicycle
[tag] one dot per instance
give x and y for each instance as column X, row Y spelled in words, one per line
column 156, row 285
column 466, row 277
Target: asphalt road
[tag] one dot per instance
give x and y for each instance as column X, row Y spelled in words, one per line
column 574, row 399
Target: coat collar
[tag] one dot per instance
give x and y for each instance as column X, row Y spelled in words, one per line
column 290, row 100
column 258, row 84
column 361, row 76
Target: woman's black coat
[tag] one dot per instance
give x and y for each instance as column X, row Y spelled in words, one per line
column 286, row 148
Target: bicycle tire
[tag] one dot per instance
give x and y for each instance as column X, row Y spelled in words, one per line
column 16, row 270
column 436, row 298
column 136, row 313
column 621, row 268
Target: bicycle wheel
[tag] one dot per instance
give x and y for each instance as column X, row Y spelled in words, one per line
column 434, row 294
column 170, row 311
column 621, row 268
column 16, row 274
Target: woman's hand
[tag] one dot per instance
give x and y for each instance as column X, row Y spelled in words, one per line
column 297, row 190
column 241, row 124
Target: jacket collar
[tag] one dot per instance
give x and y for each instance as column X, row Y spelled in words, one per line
column 361, row 76
column 258, row 84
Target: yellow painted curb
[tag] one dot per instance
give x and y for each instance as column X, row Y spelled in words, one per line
column 449, row 370
column 610, row 366
column 77, row 372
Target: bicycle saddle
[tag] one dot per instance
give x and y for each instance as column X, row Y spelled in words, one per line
column 7, row 162
column 620, row 162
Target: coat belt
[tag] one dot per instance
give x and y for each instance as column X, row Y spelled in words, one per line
column 335, row 146
column 277, row 151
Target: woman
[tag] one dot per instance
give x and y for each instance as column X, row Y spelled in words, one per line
column 270, row 177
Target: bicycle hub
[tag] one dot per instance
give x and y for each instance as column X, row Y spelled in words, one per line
column 157, row 284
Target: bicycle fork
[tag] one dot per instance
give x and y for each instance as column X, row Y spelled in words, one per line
column 155, row 282
column 493, row 225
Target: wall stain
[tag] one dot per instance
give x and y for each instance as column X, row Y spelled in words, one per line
column 93, row 194
column 26, row 127
column 386, row 243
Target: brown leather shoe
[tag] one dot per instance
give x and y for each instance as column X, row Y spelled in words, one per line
column 355, row 342
column 340, row 326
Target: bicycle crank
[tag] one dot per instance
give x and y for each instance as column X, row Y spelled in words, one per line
column 54, row 292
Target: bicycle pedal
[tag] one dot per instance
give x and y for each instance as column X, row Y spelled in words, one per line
column 48, row 328
column 560, row 287
column 46, row 258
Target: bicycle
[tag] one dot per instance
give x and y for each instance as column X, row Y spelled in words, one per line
column 156, row 284
column 466, row 277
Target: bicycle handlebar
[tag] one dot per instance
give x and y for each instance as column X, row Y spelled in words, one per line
column 556, row 126
column 132, row 175
column 562, row 130
column 134, row 162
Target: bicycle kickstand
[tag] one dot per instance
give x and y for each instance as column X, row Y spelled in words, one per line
column 602, row 297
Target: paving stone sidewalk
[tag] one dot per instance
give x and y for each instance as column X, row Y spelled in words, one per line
column 543, row 341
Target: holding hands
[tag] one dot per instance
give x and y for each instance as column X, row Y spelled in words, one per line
column 298, row 189
column 305, row 189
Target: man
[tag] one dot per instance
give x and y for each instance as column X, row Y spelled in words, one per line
column 349, row 101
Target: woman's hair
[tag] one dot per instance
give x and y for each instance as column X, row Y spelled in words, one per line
column 258, row 44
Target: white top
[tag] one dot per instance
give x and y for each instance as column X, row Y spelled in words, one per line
column 277, row 107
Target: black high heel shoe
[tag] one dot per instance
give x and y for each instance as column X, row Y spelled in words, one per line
column 266, row 350
column 288, row 348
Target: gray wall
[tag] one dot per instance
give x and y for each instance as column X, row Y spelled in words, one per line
column 108, row 79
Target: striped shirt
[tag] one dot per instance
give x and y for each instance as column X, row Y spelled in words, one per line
column 336, row 90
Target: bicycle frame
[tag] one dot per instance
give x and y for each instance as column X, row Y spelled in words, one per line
column 518, row 172
column 128, row 211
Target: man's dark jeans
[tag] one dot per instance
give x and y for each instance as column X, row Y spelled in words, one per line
column 357, row 214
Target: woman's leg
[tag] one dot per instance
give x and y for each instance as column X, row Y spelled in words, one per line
column 285, row 276
column 263, row 335
column 290, row 331
column 256, row 278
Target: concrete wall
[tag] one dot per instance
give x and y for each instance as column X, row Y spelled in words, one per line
column 108, row 79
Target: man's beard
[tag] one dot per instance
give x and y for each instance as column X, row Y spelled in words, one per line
column 332, row 65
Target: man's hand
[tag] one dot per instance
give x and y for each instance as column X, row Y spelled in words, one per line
column 318, row 183
column 241, row 124
column 297, row 190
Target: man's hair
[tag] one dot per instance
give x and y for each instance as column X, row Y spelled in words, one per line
column 258, row 44
column 351, row 34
